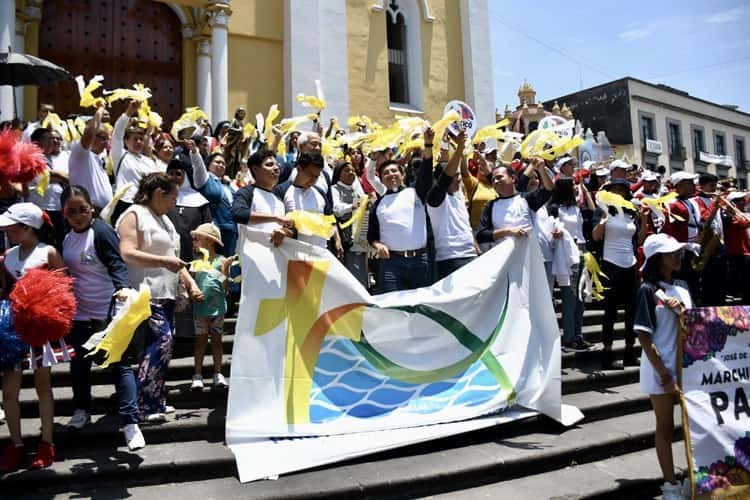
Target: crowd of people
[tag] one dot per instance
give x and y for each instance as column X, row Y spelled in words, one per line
column 130, row 205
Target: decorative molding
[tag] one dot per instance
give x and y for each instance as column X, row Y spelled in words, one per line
column 427, row 11
column 180, row 15
column 218, row 15
column 380, row 6
column 203, row 46
column 188, row 31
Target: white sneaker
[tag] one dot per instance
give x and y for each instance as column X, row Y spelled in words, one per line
column 79, row 420
column 672, row 491
column 197, row 384
column 168, row 409
column 2, row 415
column 219, row 381
column 156, row 418
column 134, row 437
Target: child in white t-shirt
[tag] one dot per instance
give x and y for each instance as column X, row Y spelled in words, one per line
column 658, row 306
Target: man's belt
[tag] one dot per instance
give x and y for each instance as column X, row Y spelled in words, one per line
column 408, row 253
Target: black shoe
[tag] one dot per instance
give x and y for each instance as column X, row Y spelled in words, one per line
column 576, row 346
column 608, row 360
column 630, row 358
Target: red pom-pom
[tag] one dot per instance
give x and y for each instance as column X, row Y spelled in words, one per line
column 31, row 162
column 8, row 155
column 43, row 306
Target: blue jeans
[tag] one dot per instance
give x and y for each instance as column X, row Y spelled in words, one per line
column 229, row 238
column 572, row 307
column 80, row 371
column 404, row 273
column 447, row 266
column 157, row 352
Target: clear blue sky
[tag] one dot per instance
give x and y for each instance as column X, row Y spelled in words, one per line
column 701, row 47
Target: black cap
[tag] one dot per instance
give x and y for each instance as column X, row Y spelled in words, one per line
column 616, row 182
column 707, row 178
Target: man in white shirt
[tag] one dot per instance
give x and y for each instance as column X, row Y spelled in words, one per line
column 86, row 166
column 44, row 110
column 446, row 206
column 49, row 201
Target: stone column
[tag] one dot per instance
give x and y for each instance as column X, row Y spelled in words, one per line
column 20, row 46
column 203, row 86
column 477, row 55
column 219, row 21
column 7, row 39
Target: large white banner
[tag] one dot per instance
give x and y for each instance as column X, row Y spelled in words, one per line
column 316, row 355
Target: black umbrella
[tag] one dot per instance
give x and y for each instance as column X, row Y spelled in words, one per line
column 22, row 69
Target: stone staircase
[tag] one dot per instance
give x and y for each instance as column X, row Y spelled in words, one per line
column 607, row 455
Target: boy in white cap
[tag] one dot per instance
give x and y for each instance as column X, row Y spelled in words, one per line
column 210, row 275
column 660, row 300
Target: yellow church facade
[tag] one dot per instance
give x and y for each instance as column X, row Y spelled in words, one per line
column 376, row 57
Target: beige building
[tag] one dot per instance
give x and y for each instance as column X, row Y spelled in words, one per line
column 659, row 125
column 374, row 57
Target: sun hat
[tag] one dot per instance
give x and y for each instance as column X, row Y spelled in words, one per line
column 209, row 231
column 27, row 214
column 660, row 243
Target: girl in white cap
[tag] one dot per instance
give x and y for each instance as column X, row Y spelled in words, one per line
column 24, row 223
column 660, row 301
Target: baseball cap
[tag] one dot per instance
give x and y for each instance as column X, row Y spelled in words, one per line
column 602, row 171
column 649, row 176
column 562, row 161
column 678, row 177
column 25, row 213
column 619, row 164
column 660, row 243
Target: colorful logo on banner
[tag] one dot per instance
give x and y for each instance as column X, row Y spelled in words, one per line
column 715, row 381
column 309, row 363
column 468, row 120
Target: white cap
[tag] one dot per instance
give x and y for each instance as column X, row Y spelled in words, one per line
column 649, row 176
column 678, row 177
column 562, row 161
column 587, row 165
column 602, row 171
column 619, row 164
column 27, row 214
column 736, row 195
column 660, row 243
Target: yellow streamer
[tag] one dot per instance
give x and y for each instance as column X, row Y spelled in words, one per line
column 290, row 124
column 249, row 131
column 662, row 204
column 188, row 119
column 357, row 215
column 596, row 274
column 119, row 332
column 106, row 213
column 202, row 264
column 494, row 131
column 613, row 200
column 86, row 91
column 273, row 113
column 439, row 128
column 151, row 119
column 313, row 224
column 547, row 144
column 139, row 93
column 43, row 183
column 311, row 101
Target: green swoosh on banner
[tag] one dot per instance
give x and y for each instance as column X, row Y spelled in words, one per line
column 479, row 351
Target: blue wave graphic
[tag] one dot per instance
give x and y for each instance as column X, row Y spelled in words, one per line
column 345, row 384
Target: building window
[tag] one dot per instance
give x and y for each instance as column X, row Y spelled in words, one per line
column 698, row 144
column 398, row 74
column 675, row 141
column 739, row 153
column 719, row 146
column 647, row 128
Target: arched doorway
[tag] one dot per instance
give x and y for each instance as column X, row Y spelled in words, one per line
column 127, row 41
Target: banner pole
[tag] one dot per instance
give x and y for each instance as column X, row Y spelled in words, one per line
column 683, row 407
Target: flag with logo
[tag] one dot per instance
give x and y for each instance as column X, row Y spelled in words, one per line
column 317, row 357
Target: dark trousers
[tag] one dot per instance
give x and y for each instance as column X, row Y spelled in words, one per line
column 620, row 291
column 404, row 273
column 447, row 266
column 714, row 281
column 739, row 276
column 123, row 376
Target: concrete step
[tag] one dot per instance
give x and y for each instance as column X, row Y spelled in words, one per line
column 477, row 458
column 632, row 475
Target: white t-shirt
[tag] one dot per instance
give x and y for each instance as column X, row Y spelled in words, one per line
column 159, row 238
column 309, row 200
column 17, row 267
column 618, row 241
column 402, row 221
column 50, row 200
column 451, row 227
column 571, row 218
column 92, row 284
column 88, row 170
column 131, row 169
column 265, row 202
column 662, row 324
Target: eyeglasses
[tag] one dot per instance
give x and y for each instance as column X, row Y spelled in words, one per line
column 71, row 212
